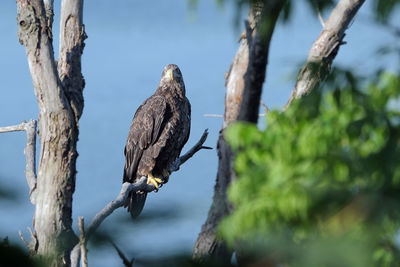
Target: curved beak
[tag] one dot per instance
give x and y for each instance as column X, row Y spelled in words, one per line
column 170, row 74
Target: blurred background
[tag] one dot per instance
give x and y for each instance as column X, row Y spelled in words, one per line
column 128, row 45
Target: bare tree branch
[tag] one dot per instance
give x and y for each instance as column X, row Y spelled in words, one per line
column 48, row 6
column 213, row 115
column 182, row 159
column 30, row 153
column 82, row 241
column 325, row 48
column 72, row 37
column 125, row 261
column 140, row 185
column 243, row 91
column 33, row 243
column 21, row 236
column 14, row 128
column 265, row 107
column 321, row 20
column 259, row 29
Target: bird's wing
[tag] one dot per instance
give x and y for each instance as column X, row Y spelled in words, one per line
column 145, row 129
column 189, row 111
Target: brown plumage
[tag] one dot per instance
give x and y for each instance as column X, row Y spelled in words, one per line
column 158, row 132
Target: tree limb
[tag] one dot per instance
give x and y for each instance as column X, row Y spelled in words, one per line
column 72, row 37
column 82, row 241
column 125, row 261
column 140, row 185
column 13, row 128
column 182, row 159
column 48, row 6
column 259, row 30
column 325, row 48
column 243, row 91
column 30, row 153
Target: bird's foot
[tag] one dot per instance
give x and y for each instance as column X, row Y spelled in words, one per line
column 157, row 182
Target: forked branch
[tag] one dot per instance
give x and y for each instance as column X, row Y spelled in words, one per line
column 30, row 152
column 140, row 185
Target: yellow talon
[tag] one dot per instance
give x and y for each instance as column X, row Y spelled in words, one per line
column 154, row 180
column 154, row 183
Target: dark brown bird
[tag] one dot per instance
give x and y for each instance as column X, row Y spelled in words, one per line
column 159, row 130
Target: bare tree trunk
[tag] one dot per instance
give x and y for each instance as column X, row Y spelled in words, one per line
column 58, row 120
column 243, row 96
column 325, row 48
column 243, row 91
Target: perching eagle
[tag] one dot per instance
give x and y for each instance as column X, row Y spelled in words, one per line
column 159, row 130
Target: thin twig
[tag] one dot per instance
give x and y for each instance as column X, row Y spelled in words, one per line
column 14, row 128
column 266, row 109
column 23, row 239
column 213, row 115
column 221, row 116
column 82, row 241
column 125, row 261
column 33, row 241
column 182, row 159
column 120, row 200
column 321, row 20
column 30, row 154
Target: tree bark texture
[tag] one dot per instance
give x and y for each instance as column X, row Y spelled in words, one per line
column 58, row 124
column 243, row 91
column 259, row 29
column 325, row 48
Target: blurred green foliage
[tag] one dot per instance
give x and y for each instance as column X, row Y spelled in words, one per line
column 320, row 186
column 384, row 9
column 11, row 255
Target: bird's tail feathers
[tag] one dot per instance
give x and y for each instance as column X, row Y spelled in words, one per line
column 136, row 202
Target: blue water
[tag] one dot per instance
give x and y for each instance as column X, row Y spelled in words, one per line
column 129, row 44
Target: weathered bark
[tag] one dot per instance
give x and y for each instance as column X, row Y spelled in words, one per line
column 325, row 48
column 58, row 129
column 72, row 36
column 259, row 30
column 243, row 91
column 207, row 244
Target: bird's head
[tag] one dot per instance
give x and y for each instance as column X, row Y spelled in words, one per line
column 172, row 78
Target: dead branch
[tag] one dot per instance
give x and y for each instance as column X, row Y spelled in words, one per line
column 21, row 236
column 14, row 128
column 82, row 241
column 325, row 48
column 213, row 115
column 125, row 261
column 321, row 20
column 182, row 159
column 30, row 152
column 140, row 185
column 32, row 245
